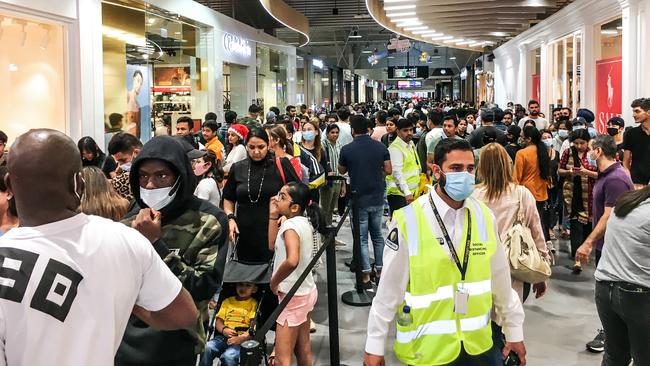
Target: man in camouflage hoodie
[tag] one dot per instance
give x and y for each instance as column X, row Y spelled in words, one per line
column 253, row 119
column 189, row 234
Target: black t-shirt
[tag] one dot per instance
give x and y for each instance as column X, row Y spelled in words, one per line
column 364, row 158
column 253, row 217
column 476, row 138
column 637, row 141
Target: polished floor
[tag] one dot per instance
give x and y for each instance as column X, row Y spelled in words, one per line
column 556, row 329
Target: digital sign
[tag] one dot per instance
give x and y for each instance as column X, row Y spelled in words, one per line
column 406, row 72
column 409, row 84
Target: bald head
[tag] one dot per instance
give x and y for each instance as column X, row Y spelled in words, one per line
column 42, row 170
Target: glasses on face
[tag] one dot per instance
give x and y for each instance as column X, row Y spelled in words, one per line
column 283, row 196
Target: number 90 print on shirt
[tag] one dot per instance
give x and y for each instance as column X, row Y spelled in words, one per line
column 57, row 287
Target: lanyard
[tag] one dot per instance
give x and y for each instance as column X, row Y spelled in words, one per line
column 454, row 255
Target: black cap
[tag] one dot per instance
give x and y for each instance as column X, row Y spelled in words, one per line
column 616, row 121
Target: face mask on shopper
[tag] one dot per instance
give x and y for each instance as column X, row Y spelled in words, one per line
column 159, row 198
column 309, row 135
column 126, row 167
column 612, row 131
column 563, row 134
column 548, row 142
column 458, row 185
column 592, row 132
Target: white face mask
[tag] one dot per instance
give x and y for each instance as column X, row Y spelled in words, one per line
column 159, row 198
column 126, row 167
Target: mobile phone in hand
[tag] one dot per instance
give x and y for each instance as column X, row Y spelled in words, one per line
column 512, row 359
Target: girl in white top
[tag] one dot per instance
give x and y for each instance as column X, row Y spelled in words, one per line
column 236, row 136
column 291, row 235
column 210, row 178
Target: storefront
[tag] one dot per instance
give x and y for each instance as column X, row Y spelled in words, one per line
column 314, row 83
column 599, row 61
column 85, row 59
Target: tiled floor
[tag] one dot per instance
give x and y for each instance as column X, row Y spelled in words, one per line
column 556, row 329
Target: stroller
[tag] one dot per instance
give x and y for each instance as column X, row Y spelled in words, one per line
column 237, row 271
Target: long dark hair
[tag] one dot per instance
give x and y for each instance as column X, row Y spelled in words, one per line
column 215, row 167
column 535, row 137
column 628, row 201
column 87, row 143
column 301, row 196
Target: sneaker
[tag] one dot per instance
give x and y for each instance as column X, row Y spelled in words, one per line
column 312, row 326
column 598, row 344
column 576, row 269
column 550, row 246
column 367, row 286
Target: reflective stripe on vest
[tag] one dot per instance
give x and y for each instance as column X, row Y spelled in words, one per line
column 444, row 327
column 436, row 334
column 446, row 292
column 410, row 169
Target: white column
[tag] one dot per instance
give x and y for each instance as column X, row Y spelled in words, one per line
column 643, row 49
column 523, row 84
column 86, row 73
column 544, row 76
column 590, row 51
column 632, row 80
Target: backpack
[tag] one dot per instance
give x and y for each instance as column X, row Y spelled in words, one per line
column 295, row 163
column 526, row 264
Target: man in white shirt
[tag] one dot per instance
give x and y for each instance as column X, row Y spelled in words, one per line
column 434, row 122
column 533, row 115
column 345, row 132
column 454, row 169
column 71, row 281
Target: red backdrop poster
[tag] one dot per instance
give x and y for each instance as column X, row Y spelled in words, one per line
column 608, row 91
column 535, row 87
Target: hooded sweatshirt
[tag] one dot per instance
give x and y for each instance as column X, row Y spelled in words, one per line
column 193, row 244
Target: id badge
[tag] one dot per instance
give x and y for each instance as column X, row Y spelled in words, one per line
column 461, row 298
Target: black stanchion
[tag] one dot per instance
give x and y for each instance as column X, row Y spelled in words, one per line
column 256, row 358
column 358, row 297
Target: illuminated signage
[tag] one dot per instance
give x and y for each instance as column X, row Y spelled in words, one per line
column 317, row 63
column 236, row 45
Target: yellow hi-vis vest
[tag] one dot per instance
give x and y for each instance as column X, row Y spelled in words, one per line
column 435, row 336
column 411, row 169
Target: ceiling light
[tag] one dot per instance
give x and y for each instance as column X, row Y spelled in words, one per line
column 400, row 14
column 390, row 57
column 366, row 51
column 399, row 7
column 406, row 20
column 406, row 24
column 465, row 42
column 424, row 31
column 619, row 27
column 609, row 31
column 435, row 56
column 442, row 38
column 454, row 40
column 151, row 20
column 145, row 56
column 355, row 34
column 476, row 44
column 498, row 34
column 396, row 1
column 419, row 27
column 452, row 58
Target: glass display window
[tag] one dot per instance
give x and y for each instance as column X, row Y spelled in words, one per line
column 271, row 78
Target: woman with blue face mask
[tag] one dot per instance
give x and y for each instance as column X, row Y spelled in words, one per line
column 313, row 157
column 551, row 211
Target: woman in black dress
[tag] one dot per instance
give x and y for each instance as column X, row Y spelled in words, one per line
column 251, row 184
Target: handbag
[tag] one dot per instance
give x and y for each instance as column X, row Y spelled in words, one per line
column 237, row 270
column 526, row 264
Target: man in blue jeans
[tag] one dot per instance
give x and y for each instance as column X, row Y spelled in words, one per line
column 368, row 162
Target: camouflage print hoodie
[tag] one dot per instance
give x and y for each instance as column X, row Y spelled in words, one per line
column 193, row 244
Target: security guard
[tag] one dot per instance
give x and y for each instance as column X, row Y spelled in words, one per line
column 403, row 183
column 444, row 271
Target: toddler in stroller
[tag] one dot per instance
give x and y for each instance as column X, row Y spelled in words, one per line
column 233, row 325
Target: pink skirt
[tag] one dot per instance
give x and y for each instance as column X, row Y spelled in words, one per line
column 297, row 309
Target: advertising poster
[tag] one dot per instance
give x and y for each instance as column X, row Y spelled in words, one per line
column 608, row 91
column 172, row 76
column 535, row 86
column 138, row 109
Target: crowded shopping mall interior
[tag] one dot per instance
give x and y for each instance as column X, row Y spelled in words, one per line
column 308, row 182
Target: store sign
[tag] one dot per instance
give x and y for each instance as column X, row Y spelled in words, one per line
column 609, row 88
column 405, row 72
column 237, row 45
column 347, row 75
column 535, row 86
column 317, row 63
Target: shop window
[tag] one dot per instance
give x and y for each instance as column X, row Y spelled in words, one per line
column 155, row 68
column 609, row 63
column 32, row 75
column 271, row 78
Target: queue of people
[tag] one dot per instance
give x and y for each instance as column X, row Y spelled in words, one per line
column 176, row 210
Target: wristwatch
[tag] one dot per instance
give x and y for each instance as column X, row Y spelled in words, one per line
column 232, row 217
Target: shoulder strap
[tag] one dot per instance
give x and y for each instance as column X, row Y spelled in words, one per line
column 520, row 194
column 279, row 165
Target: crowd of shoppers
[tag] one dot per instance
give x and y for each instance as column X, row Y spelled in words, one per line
column 176, row 202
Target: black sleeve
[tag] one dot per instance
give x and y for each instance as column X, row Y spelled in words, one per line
column 289, row 171
column 109, row 166
column 230, row 189
column 325, row 161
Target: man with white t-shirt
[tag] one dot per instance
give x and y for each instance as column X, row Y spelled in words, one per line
column 71, row 281
column 533, row 115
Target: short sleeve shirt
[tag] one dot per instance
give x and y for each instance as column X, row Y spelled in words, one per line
column 237, row 314
column 74, row 283
column 637, row 141
column 364, row 159
column 609, row 186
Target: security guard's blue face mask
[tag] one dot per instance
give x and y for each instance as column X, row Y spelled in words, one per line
column 458, row 185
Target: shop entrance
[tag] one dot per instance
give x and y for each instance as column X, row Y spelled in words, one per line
column 234, row 88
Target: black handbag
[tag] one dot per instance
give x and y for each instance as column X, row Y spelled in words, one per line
column 237, row 270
